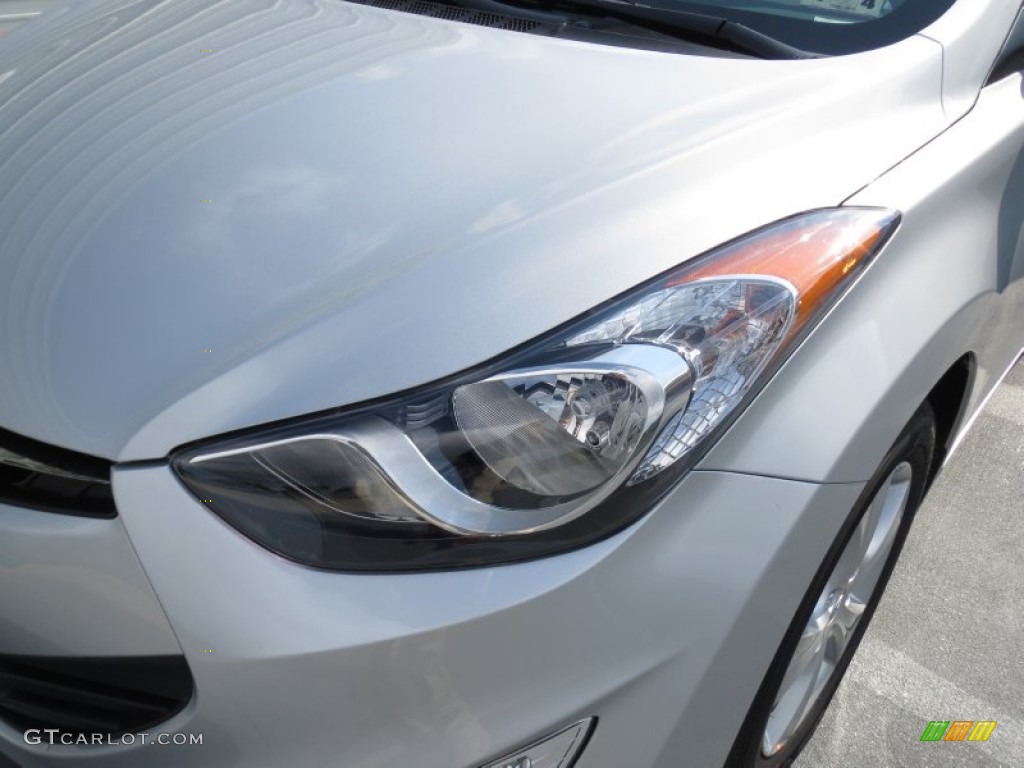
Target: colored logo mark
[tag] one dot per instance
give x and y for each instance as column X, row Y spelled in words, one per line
column 958, row 730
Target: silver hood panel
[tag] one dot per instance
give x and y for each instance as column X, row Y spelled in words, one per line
column 220, row 214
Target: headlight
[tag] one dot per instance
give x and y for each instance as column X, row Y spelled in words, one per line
column 560, row 444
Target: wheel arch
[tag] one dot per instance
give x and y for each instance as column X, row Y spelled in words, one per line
column 949, row 399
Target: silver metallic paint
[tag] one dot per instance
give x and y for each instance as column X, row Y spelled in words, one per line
column 308, row 667
column 342, row 252
column 73, row 586
column 949, row 282
column 397, row 198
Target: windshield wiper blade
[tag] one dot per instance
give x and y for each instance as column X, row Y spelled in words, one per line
column 760, row 44
column 509, row 7
column 699, row 27
column 519, row 10
column 713, row 28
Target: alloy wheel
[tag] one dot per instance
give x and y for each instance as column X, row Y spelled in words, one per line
column 838, row 610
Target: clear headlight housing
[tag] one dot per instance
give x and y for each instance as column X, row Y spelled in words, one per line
column 561, row 444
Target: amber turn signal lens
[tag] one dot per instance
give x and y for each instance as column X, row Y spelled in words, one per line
column 814, row 252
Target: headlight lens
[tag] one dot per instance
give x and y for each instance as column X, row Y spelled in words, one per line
column 569, row 440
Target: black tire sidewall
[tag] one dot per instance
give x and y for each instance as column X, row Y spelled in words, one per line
column 915, row 444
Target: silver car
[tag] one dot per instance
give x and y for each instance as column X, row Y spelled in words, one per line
column 461, row 383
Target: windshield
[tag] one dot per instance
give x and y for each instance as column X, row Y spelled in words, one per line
column 826, row 26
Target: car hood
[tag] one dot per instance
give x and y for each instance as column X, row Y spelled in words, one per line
column 215, row 215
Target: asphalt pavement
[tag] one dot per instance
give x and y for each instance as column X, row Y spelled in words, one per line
column 15, row 12
column 947, row 641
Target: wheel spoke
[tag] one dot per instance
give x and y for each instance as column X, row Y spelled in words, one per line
column 838, row 633
column 887, row 508
column 866, row 578
column 852, row 556
column 796, row 695
column 808, row 648
column 869, row 523
column 849, row 612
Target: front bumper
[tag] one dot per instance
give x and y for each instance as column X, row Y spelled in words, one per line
column 662, row 632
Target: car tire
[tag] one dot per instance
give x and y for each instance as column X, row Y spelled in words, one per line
column 797, row 688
